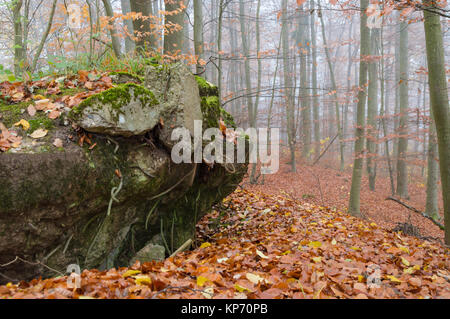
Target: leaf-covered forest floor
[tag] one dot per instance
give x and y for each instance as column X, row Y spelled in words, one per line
column 282, row 240
column 324, row 185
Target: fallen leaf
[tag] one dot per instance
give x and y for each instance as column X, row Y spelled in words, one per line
column 39, row 133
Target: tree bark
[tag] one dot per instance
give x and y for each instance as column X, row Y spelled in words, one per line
column 372, row 106
column 128, row 24
column 333, row 83
column 143, row 31
column 315, row 100
column 44, row 37
column 198, row 33
column 112, row 30
column 19, row 54
column 290, row 110
column 439, row 104
column 174, row 22
column 354, row 203
column 402, row 168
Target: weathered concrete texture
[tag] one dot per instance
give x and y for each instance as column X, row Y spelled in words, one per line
column 54, row 203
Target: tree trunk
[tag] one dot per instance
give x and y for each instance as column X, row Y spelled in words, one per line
column 198, row 33
column 432, row 207
column 128, row 25
column 402, row 168
column 248, row 84
column 44, row 37
column 354, row 203
column 303, row 47
column 173, row 34
column 372, row 106
column 315, row 100
column 290, row 110
column 143, row 31
column 336, row 102
column 112, row 30
column 19, row 54
column 439, row 104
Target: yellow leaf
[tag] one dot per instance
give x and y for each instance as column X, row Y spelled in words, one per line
column 360, row 278
column 143, row 280
column 201, row 281
column 405, row 261
column 317, row 259
column 260, row 254
column 24, row 124
column 394, row 279
column 409, row 270
column 315, row 244
column 254, row 278
column 355, row 248
column 403, row 248
column 241, row 289
column 39, row 97
column 130, row 273
column 205, row 245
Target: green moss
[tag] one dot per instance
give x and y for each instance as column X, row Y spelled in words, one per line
column 128, row 75
column 12, row 113
column 213, row 112
column 40, row 121
column 117, row 97
column 206, row 88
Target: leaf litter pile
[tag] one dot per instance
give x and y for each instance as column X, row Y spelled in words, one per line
column 46, row 96
column 260, row 246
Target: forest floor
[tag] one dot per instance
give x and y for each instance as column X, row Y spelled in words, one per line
column 288, row 238
column 325, row 185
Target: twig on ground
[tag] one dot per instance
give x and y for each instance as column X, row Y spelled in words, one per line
column 416, row 211
column 183, row 247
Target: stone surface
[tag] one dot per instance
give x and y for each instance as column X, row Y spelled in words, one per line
column 149, row 253
column 55, row 201
column 179, row 89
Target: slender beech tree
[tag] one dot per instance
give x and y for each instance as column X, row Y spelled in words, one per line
column 402, row 168
column 335, row 94
column 19, row 54
column 290, row 109
column 44, row 37
column 303, row 47
column 248, row 84
column 145, row 38
column 372, row 110
column 174, row 22
column 112, row 29
column 354, row 204
column 432, row 207
column 439, row 103
column 198, row 32
column 128, row 25
column 315, row 99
